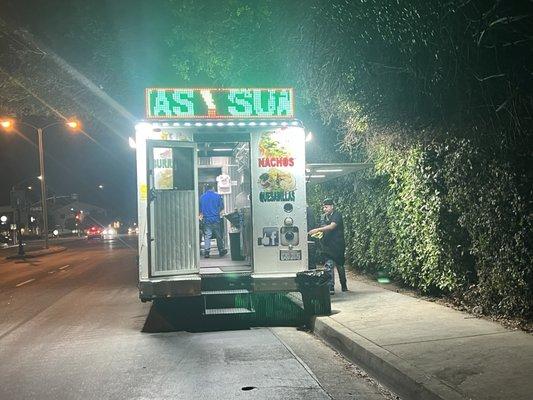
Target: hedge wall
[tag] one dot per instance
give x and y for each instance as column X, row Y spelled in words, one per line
column 442, row 217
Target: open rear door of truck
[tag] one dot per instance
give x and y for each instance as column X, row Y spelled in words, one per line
column 173, row 229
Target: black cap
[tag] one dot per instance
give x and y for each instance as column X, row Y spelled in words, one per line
column 327, row 202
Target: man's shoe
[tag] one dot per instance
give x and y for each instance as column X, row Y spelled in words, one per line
column 344, row 288
column 223, row 253
column 331, row 292
column 206, row 256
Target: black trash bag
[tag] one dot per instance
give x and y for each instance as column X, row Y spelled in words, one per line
column 312, row 279
column 234, row 218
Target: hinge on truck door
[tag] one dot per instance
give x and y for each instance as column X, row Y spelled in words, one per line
column 152, row 195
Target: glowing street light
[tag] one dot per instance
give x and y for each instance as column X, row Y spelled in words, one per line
column 6, row 124
column 100, row 186
column 73, row 124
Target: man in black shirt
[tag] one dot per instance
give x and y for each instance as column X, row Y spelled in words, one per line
column 332, row 243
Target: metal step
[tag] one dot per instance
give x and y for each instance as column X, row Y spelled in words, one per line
column 227, row 311
column 222, row 292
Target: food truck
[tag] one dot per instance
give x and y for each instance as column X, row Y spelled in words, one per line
column 248, row 143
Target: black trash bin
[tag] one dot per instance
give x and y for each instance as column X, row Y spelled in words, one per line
column 235, row 237
column 235, row 246
column 313, row 285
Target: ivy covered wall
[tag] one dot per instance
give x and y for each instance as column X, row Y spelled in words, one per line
column 441, row 217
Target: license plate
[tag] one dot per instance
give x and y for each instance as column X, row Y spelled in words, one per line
column 290, row 255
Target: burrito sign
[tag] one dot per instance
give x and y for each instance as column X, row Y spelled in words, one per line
column 181, row 103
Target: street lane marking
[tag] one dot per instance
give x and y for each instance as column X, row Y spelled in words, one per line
column 23, row 283
column 64, row 266
column 51, row 272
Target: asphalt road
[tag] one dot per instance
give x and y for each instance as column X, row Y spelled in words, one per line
column 72, row 327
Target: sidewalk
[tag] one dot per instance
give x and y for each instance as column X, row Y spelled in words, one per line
column 38, row 253
column 422, row 350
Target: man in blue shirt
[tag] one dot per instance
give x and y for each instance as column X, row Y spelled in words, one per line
column 211, row 204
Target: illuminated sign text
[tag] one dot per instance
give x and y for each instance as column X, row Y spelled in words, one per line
column 219, row 103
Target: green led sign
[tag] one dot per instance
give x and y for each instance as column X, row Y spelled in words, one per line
column 219, row 103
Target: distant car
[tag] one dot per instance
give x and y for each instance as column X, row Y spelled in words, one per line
column 109, row 233
column 94, row 232
column 60, row 232
column 133, row 231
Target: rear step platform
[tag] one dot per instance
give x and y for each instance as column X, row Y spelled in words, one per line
column 227, row 299
column 228, row 311
column 229, row 291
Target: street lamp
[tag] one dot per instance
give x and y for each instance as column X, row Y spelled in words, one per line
column 72, row 124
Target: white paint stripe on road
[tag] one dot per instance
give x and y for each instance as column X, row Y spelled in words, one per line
column 23, row 283
column 64, row 266
column 51, row 272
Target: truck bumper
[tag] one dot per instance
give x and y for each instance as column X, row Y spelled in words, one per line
column 274, row 282
column 183, row 286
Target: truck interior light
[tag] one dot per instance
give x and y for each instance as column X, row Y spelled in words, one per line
column 241, row 124
column 187, row 124
column 166, row 124
column 231, row 123
column 317, row 176
column 263, row 123
column 208, row 124
column 329, row 170
column 273, row 124
column 220, row 124
column 176, row 124
column 221, row 149
column 252, row 123
column 294, row 123
column 198, row 124
column 284, row 123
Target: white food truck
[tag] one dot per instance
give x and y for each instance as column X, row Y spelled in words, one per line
column 249, row 145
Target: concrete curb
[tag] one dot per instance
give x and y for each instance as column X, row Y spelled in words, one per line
column 394, row 372
column 38, row 253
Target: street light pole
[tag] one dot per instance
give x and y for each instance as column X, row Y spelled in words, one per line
column 43, row 186
column 72, row 124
